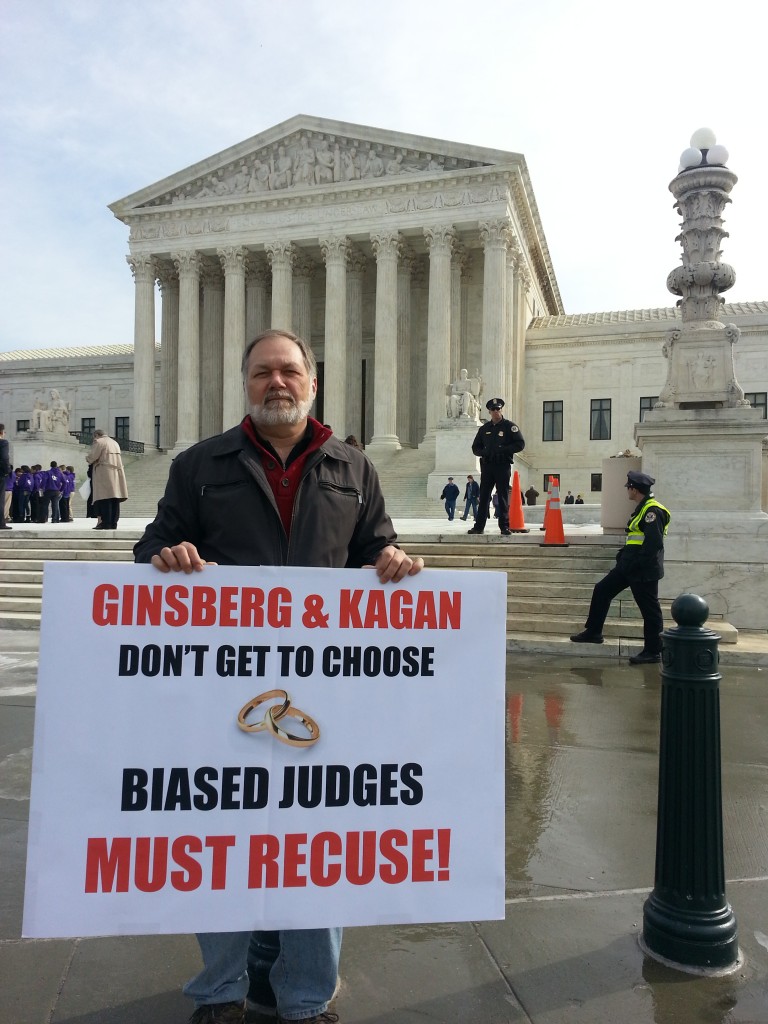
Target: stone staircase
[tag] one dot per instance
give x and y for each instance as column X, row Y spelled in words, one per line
column 548, row 589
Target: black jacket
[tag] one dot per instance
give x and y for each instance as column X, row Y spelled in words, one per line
column 497, row 443
column 218, row 498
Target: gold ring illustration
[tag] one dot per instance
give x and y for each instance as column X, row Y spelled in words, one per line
column 255, row 702
column 271, row 719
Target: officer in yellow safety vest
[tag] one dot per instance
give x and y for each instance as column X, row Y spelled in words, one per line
column 639, row 566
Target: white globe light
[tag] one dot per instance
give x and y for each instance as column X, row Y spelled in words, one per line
column 690, row 157
column 717, row 155
column 703, row 138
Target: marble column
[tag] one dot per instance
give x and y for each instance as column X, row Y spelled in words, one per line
column 356, row 264
column 304, row 270
column 440, row 242
column 419, row 318
column 405, row 384
column 188, row 422
column 458, row 262
column 143, row 419
column 281, row 256
column 385, row 247
column 168, row 281
column 513, row 368
column 211, row 347
column 233, row 262
column 494, row 236
column 256, row 301
column 334, row 251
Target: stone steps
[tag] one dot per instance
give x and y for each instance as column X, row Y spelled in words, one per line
column 548, row 589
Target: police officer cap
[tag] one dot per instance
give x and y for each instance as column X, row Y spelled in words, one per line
column 640, row 481
column 494, row 403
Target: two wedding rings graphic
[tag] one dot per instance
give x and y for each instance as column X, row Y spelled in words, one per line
column 274, row 719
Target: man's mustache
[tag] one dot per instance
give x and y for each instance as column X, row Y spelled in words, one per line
column 274, row 395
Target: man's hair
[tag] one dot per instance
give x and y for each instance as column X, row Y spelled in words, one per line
column 2, row 427
column 98, row 433
column 310, row 362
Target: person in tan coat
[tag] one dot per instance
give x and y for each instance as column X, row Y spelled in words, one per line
column 108, row 479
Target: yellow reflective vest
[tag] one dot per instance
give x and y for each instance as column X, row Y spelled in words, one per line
column 634, row 534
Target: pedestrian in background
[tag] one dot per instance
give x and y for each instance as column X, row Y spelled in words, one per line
column 471, row 494
column 108, row 480
column 5, row 468
column 449, row 496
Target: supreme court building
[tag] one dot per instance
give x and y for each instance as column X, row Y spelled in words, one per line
column 402, row 260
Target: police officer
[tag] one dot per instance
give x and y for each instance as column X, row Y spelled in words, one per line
column 496, row 443
column 639, row 566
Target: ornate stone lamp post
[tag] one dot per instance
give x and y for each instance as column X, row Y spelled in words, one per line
column 701, row 370
column 702, row 442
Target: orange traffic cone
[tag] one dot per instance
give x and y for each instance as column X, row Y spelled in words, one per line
column 546, row 506
column 554, row 533
column 516, row 518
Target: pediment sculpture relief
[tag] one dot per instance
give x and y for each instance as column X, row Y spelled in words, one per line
column 312, row 161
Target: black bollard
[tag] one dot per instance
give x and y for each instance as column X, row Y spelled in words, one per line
column 687, row 919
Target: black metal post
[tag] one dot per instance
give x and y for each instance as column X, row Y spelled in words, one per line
column 687, row 919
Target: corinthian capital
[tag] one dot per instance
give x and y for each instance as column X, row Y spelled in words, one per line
column 187, row 263
column 334, row 249
column 165, row 275
column 233, row 259
column 210, row 272
column 304, row 266
column 142, row 268
column 441, row 239
column 280, row 253
column 386, row 245
column 356, row 261
column 256, row 268
column 495, row 234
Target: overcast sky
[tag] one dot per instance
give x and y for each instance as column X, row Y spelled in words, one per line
column 101, row 99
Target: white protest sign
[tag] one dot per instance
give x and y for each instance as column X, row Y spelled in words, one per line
column 265, row 747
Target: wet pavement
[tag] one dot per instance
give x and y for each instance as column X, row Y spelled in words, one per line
column 582, row 770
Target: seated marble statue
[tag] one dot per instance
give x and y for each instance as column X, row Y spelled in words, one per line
column 59, row 413
column 463, row 396
column 41, row 416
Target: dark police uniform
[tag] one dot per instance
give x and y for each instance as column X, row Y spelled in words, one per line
column 496, row 444
column 639, row 566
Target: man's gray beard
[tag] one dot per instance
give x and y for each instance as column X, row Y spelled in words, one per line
column 276, row 414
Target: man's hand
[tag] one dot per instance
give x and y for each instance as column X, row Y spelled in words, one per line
column 393, row 564
column 182, row 557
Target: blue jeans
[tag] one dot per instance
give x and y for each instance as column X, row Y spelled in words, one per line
column 302, row 967
column 450, row 507
column 471, row 503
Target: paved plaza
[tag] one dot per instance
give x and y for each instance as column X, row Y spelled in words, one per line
column 581, row 767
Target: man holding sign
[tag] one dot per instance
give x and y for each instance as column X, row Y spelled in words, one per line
column 278, row 489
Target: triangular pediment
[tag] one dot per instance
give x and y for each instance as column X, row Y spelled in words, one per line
column 311, row 153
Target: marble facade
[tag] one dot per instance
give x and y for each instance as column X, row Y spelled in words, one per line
column 399, row 258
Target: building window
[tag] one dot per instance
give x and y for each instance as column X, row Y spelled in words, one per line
column 758, row 400
column 551, row 479
column 600, row 419
column 553, row 422
column 87, row 427
column 122, row 429
column 157, row 431
column 646, row 404
column 22, row 426
column 595, row 481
